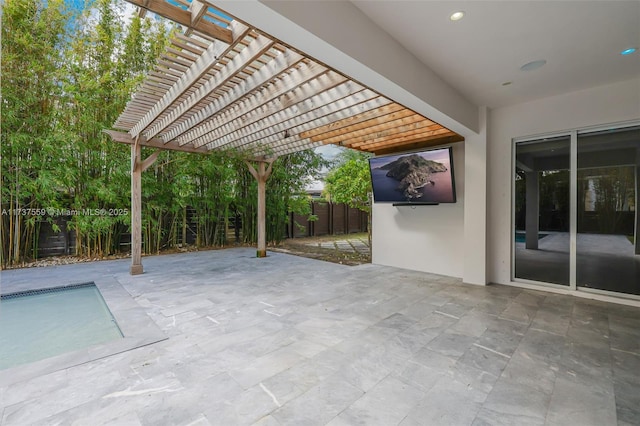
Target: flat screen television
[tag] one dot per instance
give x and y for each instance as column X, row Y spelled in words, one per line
column 424, row 177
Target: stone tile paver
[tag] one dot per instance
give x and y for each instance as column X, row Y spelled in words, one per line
column 289, row 340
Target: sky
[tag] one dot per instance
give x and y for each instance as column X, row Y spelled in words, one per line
column 126, row 9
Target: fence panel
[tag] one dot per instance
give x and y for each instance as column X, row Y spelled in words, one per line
column 322, row 224
column 354, row 220
column 299, row 226
column 339, row 218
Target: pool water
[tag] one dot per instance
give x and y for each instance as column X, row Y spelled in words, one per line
column 43, row 323
column 521, row 237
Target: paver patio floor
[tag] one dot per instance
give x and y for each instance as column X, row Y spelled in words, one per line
column 287, row 340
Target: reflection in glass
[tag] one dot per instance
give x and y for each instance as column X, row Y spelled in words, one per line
column 542, row 211
column 607, row 250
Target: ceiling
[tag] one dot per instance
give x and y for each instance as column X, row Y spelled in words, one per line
column 580, row 40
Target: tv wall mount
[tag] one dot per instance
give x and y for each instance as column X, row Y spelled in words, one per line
column 415, row 203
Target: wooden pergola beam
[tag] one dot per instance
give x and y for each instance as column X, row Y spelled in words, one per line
column 122, row 137
column 184, row 17
column 198, row 10
column 424, row 143
column 401, row 141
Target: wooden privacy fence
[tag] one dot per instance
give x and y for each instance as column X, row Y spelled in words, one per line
column 332, row 219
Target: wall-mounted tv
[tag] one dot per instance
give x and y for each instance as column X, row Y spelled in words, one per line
column 424, row 177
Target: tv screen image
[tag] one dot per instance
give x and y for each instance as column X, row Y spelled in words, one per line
column 424, row 177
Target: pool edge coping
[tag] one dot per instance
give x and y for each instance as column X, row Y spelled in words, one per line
column 137, row 327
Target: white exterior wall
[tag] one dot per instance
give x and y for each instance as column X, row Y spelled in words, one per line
column 475, row 204
column 423, row 238
column 608, row 104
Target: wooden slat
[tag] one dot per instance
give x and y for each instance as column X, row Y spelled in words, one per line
column 378, row 124
column 295, row 119
column 234, row 120
column 237, row 93
column 341, row 124
column 186, row 46
column 364, row 126
column 192, row 40
column 200, row 67
column 404, row 130
column 183, row 17
column 233, row 67
column 318, row 112
column 182, row 54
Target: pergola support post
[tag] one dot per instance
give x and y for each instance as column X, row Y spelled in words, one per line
column 136, row 211
column 137, row 167
column 261, row 174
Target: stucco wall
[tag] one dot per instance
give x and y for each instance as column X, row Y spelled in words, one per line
column 423, row 238
column 601, row 105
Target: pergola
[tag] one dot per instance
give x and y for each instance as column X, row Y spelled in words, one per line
column 223, row 84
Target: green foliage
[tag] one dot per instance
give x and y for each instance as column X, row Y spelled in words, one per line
column 286, row 189
column 349, row 181
column 33, row 39
column 614, row 194
column 66, row 77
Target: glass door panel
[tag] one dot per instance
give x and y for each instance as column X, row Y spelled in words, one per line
column 607, row 246
column 542, row 210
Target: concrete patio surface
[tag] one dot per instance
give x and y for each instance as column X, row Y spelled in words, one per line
column 287, row 340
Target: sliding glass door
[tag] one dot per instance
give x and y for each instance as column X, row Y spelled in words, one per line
column 607, row 249
column 581, row 187
column 541, row 237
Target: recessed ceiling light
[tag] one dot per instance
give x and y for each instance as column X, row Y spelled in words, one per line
column 628, row 51
column 530, row 66
column 456, row 16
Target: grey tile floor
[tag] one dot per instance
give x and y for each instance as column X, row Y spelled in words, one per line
column 293, row 341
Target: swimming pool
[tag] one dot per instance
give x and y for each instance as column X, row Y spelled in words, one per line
column 39, row 324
